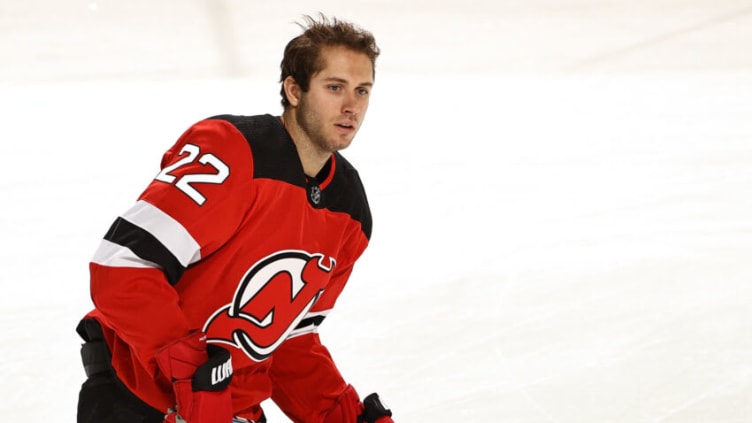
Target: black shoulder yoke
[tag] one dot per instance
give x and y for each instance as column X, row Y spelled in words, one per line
column 275, row 157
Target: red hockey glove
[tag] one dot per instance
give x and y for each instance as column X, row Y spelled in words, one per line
column 200, row 375
column 349, row 409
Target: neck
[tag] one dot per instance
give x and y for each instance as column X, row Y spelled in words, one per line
column 312, row 157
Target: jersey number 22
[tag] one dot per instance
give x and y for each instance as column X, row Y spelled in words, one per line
column 183, row 183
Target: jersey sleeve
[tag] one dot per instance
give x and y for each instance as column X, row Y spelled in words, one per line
column 306, row 380
column 190, row 209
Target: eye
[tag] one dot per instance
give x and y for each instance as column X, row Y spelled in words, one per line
column 334, row 88
column 362, row 91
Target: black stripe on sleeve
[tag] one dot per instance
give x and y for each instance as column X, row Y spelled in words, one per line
column 146, row 246
column 310, row 321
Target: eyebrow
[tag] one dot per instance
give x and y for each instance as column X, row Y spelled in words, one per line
column 344, row 81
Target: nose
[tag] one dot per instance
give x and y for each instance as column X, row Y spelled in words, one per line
column 351, row 105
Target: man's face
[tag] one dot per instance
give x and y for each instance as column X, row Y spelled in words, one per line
column 332, row 110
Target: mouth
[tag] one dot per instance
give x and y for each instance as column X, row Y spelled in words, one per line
column 345, row 127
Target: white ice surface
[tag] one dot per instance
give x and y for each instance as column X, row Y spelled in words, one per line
column 562, row 193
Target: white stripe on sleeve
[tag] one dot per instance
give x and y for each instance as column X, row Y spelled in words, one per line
column 167, row 230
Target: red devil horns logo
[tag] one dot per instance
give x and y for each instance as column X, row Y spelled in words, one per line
column 272, row 298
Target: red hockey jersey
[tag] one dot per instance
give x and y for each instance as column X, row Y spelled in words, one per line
column 233, row 239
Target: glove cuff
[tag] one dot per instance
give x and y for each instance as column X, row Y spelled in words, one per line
column 200, row 375
column 374, row 410
column 180, row 358
column 216, row 374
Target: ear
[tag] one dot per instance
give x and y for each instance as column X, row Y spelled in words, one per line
column 292, row 90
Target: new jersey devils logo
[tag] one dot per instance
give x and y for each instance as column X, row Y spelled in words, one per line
column 271, row 300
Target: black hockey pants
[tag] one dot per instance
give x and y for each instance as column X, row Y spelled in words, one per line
column 103, row 397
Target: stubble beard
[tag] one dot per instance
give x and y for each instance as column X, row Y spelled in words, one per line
column 314, row 128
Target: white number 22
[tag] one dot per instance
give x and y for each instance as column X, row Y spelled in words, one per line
column 184, row 182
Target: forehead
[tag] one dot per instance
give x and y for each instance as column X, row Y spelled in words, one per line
column 341, row 62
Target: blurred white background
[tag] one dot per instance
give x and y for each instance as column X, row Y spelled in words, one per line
column 562, row 194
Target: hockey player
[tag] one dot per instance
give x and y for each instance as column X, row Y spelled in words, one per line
column 209, row 290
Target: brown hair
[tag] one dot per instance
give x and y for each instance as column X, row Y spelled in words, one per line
column 302, row 58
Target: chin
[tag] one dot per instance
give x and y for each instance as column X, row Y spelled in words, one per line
column 344, row 145
column 339, row 144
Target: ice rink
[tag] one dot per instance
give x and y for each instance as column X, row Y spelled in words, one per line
column 561, row 190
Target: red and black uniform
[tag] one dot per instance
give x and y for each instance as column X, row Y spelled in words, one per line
column 233, row 239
